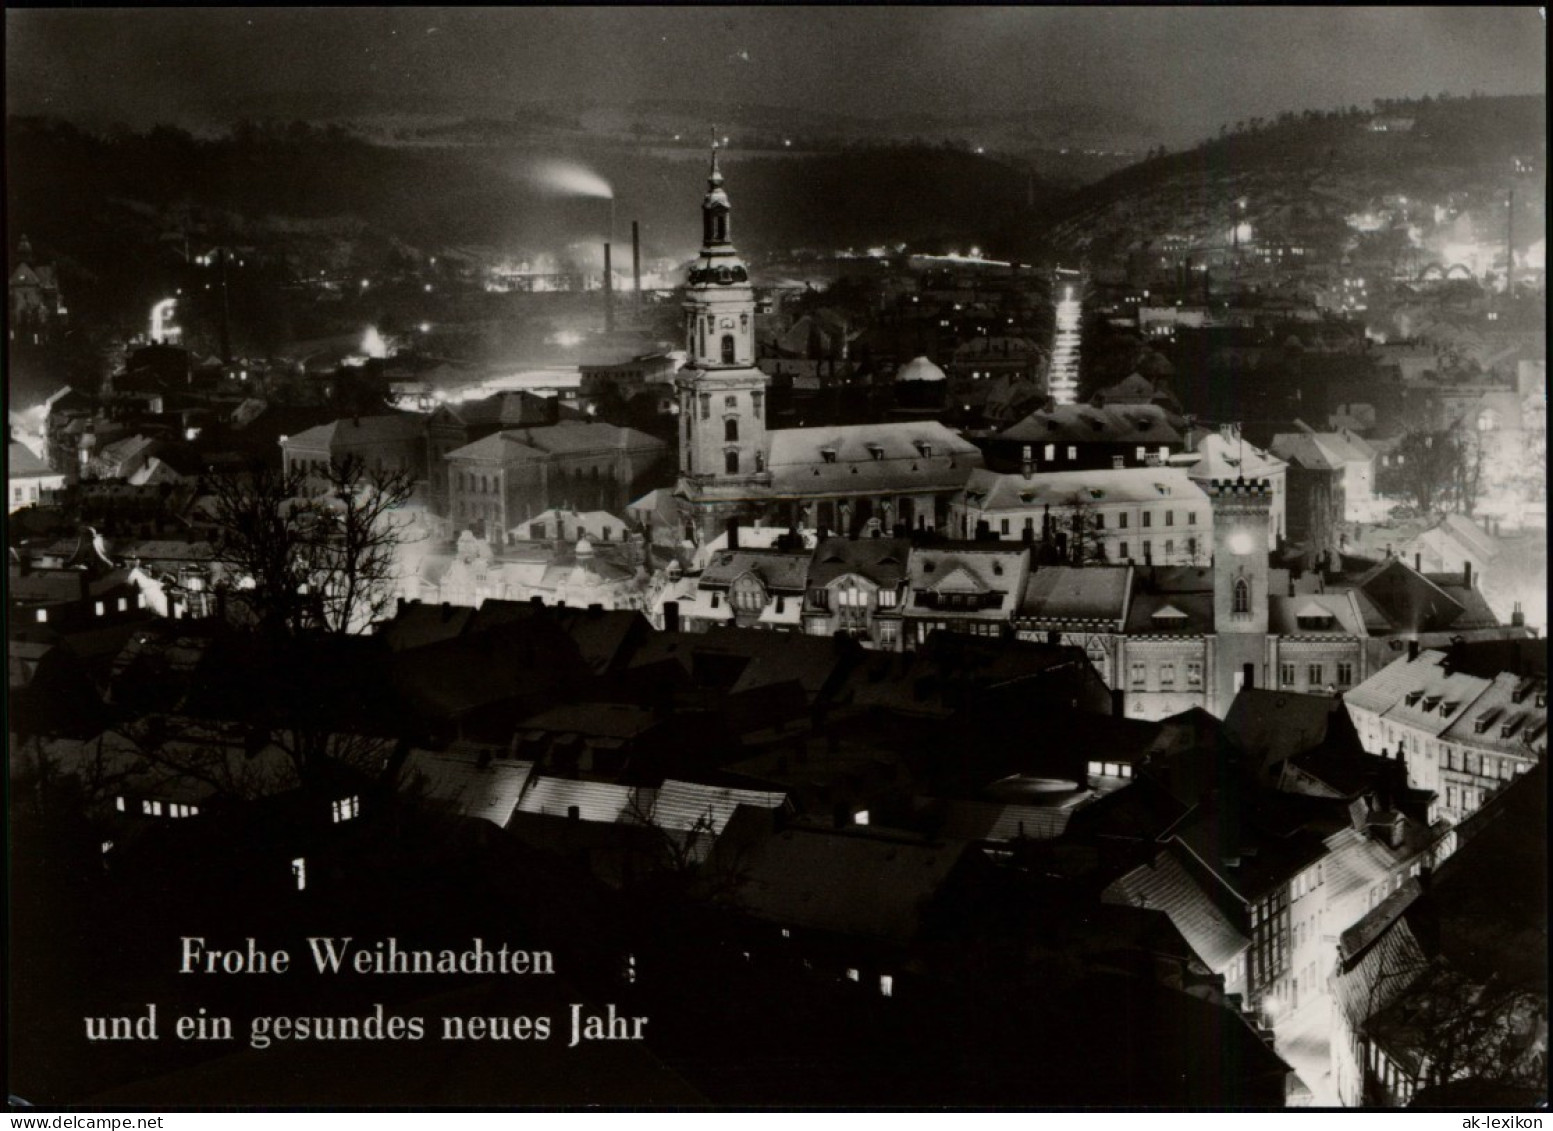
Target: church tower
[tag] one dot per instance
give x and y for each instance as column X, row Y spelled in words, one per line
column 722, row 395
column 1241, row 512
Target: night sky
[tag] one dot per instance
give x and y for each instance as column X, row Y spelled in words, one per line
column 1174, row 73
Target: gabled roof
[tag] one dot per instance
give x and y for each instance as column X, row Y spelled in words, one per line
column 774, row 568
column 351, row 431
column 1013, row 491
column 1195, row 619
column 20, row 463
column 700, row 812
column 910, row 456
column 512, row 409
column 1071, row 593
column 1221, row 458
column 1462, row 530
column 475, row 782
column 1405, row 599
column 1146, row 424
column 1284, row 614
column 1303, row 450
column 1001, row 821
column 418, row 624
column 569, row 437
column 845, row 883
column 880, row 560
column 1166, row 885
column 601, row 801
column 738, row 660
column 1274, row 726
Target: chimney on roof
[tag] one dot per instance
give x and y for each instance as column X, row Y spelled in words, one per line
column 733, row 533
column 1418, row 562
column 1412, row 650
column 671, row 616
column 1466, row 574
column 1518, row 617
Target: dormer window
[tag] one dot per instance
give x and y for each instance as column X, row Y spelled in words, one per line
column 1485, row 720
column 1431, row 702
column 876, row 451
column 1508, row 727
column 828, row 455
column 925, row 449
column 1412, row 698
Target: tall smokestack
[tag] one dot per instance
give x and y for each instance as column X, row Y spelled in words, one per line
column 1509, row 244
column 636, row 262
column 609, row 292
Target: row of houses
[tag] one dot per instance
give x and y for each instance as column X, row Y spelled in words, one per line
column 1163, row 638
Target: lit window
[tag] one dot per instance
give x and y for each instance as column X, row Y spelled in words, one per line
column 860, row 817
column 852, row 974
column 886, row 985
column 42, row 615
column 118, row 803
column 99, row 608
column 346, row 808
column 299, row 870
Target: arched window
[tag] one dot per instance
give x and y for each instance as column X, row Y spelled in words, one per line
column 1242, row 596
column 731, row 430
column 731, row 463
column 727, row 349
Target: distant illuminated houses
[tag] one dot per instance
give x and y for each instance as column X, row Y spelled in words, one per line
column 845, row 479
column 1062, row 382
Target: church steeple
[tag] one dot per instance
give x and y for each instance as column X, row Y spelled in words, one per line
column 722, row 391
column 714, row 213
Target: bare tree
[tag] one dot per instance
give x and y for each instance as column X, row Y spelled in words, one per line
column 1490, row 1029
column 1076, row 533
column 312, row 551
column 1427, row 468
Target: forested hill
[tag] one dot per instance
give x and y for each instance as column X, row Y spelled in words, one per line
column 1311, row 165
column 94, row 200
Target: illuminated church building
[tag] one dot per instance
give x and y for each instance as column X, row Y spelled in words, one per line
column 850, row 479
